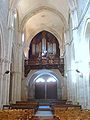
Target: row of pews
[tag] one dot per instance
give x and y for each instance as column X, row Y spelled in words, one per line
column 21, row 110
column 68, row 111
column 23, row 105
column 62, row 110
column 71, row 113
column 16, row 114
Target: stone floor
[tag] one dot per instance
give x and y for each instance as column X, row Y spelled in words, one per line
column 44, row 118
column 44, row 107
column 44, row 113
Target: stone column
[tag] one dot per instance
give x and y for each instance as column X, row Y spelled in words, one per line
column 7, row 62
column 75, row 42
column 64, row 89
column 88, row 91
column 73, row 11
column 68, row 63
column 1, row 80
column 20, row 62
column 17, row 73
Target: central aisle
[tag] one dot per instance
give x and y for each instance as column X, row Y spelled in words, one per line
column 44, row 111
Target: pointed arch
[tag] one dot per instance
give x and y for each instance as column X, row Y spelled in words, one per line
column 31, row 79
column 49, row 29
column 38, row 10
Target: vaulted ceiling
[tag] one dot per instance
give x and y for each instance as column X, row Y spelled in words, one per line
column 51, row 13
column 38, row 15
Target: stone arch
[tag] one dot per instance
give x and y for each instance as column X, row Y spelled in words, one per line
column 36, row 74
column 87, row 28
column 41, row 72
column 86, row 37
column 43, row 27
column 51, row 30
column 38, row 10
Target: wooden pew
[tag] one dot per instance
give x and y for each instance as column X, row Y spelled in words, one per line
column 57, row 102
column 71, row 113
column 18, row 114
column 66, row 106
column 30, row 103
column 22, row 105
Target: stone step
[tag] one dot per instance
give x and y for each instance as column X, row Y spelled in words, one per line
column 44, row 113
column 44, row 108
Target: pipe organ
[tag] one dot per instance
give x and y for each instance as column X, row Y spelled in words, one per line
column 44, row 44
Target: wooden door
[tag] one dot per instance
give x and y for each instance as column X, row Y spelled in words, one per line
column 46, row 90
column 40, row 90
column 51, row 90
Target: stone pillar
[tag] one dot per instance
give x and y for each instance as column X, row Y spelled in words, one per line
column 20, row 62
column 7, row 61
column 1, row 80
column 68, row 63
column 74, row 83
column 75, row 43
column 64, row 88
column 86, row 86
column 17, row 73
column 88, row 89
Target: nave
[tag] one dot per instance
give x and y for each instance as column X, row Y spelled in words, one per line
column 44, row 59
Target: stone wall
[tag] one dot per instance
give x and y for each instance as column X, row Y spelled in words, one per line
column 77, row 65
column 4, row 49
column 28, row 85
column 10, row 39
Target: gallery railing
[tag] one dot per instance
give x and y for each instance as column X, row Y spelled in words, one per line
column 44, row 63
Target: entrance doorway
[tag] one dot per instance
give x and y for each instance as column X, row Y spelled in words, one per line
column 46, row 88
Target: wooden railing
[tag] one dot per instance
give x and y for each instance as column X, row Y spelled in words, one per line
column 44, row 63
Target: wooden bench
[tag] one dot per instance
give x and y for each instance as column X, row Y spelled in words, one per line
column 71, row 113
column 22, row 105
column 18, row 114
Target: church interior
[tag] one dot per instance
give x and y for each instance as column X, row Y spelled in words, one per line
column 44, row 60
